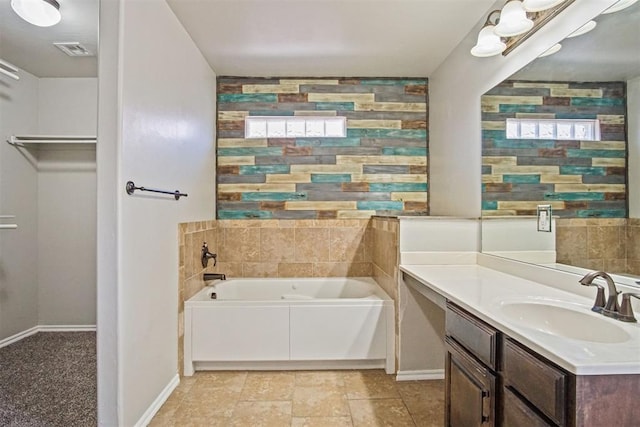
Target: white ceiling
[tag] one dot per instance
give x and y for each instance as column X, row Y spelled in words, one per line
column 31, row 48
column 315, row 38
column 359, row 38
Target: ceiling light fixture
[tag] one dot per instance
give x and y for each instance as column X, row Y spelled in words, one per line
column 513, row 24
column 513, row 20
column 584, row 29
column 43, row 13
column 539, row 5
column 617, row 7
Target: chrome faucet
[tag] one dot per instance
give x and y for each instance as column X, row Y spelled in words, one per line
column 611, row 307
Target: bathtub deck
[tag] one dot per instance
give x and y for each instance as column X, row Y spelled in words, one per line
column 308, row 398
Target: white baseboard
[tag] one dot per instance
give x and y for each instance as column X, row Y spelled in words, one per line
column 46, row 328
column 67, row 328
column 290, row 365
column 155, row 406
column 427, row 374
column 19, row 336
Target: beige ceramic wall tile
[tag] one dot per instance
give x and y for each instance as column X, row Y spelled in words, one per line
column 230, row 269
column 571, row 242
column 311, row 244
column 259, row 269
column 298, row 269
column 277, row 245
column 240, row 245
column 606, row 242
column 346, row 244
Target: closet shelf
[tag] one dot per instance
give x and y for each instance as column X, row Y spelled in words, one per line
column 21, row 140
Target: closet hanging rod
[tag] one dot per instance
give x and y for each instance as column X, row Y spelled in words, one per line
column 9, row 69
column 131, row 187
column 20, row 140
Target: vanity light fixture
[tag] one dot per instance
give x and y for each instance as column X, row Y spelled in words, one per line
column 42, row 13
column 617, row 7
column 539, row 5
column 489, row 43
column 553, row 49
column 516, row 22
column 513, row 20
column 584, row 29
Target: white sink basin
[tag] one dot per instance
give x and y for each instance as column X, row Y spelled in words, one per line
column 564, row 321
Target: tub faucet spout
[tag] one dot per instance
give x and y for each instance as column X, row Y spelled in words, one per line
column 213, row 276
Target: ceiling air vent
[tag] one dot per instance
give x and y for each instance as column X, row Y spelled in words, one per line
column 73, row 49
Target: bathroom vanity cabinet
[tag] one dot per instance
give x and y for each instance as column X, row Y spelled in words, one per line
column 494, row 380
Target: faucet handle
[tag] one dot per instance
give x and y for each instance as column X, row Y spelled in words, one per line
column 626, row 310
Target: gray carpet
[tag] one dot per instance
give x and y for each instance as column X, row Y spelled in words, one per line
column 49, row 379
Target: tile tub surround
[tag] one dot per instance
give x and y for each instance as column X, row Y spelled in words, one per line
column 580, row 179
column 380, row 166
column 302, row 398
column 611, row 244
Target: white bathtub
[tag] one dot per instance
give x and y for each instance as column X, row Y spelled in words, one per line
column 299, row 323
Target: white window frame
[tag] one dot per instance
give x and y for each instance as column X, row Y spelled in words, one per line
column 295, row 127
column 558, row 129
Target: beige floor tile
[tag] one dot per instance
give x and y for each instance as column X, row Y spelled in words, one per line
column 380, row 412
column 203, row 421
column 208, row 402
column 233, row 381
column 370, row 385
column 429, row 420
column 319, row 401
column 320, row 378
column 268, row 386
column 321, row 422
column 262, row 414
column 423, row 397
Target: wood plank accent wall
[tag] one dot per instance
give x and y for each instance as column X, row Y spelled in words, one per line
column 380, row 167
column 580, row 179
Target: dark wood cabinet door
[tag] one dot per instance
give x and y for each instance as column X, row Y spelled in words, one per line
column 516, row 413
column 470, row 389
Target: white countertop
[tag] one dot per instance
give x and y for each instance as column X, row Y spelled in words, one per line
column 481, row 291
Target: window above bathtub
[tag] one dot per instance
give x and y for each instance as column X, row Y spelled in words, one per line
column 294, row 127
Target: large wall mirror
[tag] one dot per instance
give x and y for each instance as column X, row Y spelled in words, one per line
column 594, row 76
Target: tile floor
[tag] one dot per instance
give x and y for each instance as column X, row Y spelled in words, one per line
column 302, row 398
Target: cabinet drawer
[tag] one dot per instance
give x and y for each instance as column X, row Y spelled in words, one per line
column 540, row 383
column 516, row 413
column 475, row 335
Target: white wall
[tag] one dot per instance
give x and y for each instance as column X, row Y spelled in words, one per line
column 67, row 204
column 68, row 106
column 164, row 137
column 454, row 107
column 633, row 141
column 18, row 187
